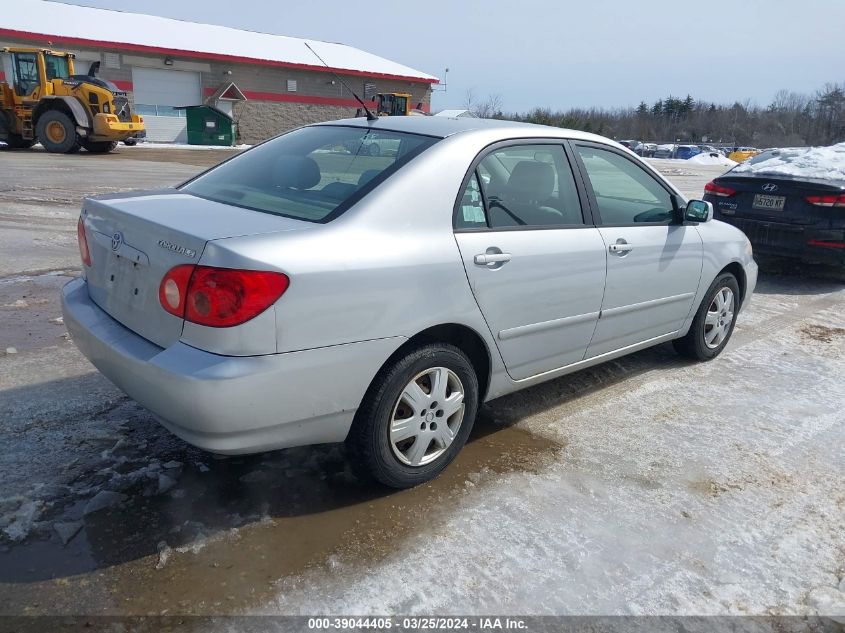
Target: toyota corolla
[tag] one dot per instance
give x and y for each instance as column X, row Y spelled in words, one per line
column 303, row 292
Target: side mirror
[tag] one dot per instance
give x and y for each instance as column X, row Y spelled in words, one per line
column 698, row 211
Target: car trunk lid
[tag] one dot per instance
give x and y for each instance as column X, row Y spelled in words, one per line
column 134, row 239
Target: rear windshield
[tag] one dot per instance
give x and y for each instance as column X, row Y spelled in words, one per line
column 314, row 173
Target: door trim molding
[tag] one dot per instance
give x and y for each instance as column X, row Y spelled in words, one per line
column 633, row 307
column 543, row 326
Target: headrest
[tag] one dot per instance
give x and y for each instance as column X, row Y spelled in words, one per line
column 532, row 179
column 296, row 172
column 367, row 176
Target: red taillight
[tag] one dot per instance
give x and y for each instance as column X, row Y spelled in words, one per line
column 219, row 297
column 82, row 240
column 718, row 190
column 827, row 201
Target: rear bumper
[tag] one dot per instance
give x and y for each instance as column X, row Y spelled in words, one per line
column 806, row 243
column 228, row 404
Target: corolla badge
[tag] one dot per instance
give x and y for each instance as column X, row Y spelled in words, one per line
column 770, row 187
column 176, row 248
column 116, row 240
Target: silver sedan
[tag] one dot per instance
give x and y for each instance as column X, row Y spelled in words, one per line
column 308, row 291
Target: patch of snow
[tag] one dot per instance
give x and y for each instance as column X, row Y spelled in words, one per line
column 828, row 602
column 712, row 158
column 18, row 522
column 826, row 163
column 11, row 350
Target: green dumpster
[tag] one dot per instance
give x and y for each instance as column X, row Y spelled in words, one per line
column 209, row 126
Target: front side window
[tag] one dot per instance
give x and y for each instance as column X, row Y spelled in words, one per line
column 528, row 186
column 625, row 192
column 313, row 174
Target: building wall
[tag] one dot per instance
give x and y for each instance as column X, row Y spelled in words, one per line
column 270, row 107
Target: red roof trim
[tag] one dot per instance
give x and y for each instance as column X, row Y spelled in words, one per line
column 141, row 48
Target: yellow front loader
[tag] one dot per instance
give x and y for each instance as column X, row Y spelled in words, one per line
column 44, row 100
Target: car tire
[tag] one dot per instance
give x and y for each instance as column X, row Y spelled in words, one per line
column 374, row 149
column 131, row 141
column 714, row 321
column 57, row 133
column 99, row 147
column 377, row 444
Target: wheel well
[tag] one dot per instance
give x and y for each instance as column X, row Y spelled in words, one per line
column 736, row 269
column 464, row 338
column 47, row 105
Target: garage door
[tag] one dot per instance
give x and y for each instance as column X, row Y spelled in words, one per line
column 157, row 93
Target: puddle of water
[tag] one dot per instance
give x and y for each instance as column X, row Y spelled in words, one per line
column 237, row 526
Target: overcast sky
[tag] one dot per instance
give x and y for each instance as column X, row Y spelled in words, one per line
column 602, row 53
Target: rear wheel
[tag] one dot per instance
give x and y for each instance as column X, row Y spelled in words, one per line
column 16, row 141
column 714, row 321
column 99, row 147
column 374, row 149
column 57, row 132
column 130, row 141
column 415, row 417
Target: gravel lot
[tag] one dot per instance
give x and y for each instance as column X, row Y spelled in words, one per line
column 648, row 485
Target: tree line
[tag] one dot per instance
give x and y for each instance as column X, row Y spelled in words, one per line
column 791, row 119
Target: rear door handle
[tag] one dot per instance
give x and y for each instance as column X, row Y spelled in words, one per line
column 492, row 258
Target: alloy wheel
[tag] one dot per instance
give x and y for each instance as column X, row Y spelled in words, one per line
column 719, row 319
column 427, row 416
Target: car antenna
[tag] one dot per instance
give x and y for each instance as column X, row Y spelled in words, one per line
column 370, row 115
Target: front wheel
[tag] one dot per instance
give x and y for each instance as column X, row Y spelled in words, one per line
column 57, row 132
column 415, row 417
column 714, row 321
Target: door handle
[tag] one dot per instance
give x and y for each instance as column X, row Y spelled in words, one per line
column 492, row 258
column 621, row 247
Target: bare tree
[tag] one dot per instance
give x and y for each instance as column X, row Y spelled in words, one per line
column 489, row 108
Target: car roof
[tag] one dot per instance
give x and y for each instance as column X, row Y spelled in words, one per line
column 443, row 127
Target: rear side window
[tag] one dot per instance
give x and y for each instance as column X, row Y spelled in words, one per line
column 625, row 192
column 314, row 173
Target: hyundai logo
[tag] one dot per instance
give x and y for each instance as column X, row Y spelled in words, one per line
column 116, row 240
column 770, row 187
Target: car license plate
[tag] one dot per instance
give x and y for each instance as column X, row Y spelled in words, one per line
column 769, row 203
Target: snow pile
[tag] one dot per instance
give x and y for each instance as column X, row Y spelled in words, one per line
column 712, row 158
column 827, row 163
